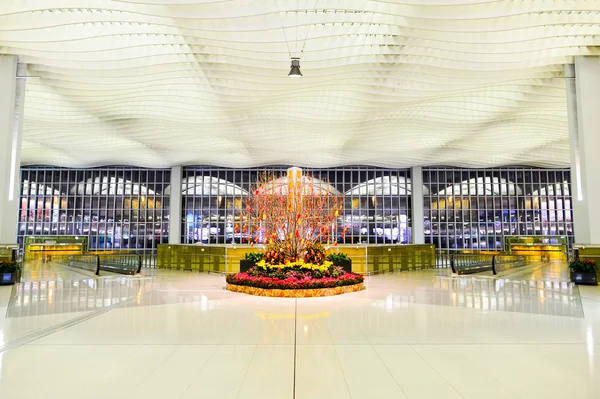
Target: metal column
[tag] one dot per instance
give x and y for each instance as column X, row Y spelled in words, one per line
column 175, row 219
column 11, row 119
column 417, row 217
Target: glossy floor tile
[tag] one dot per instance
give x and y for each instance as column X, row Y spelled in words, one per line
column 49, row 271
column 415, row 335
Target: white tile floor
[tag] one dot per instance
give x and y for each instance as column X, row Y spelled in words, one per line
column 409, row 335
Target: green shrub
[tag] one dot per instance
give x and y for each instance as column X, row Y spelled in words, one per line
column 8, row 266
column 338, row 258
column 583, row 266
column 253, row 257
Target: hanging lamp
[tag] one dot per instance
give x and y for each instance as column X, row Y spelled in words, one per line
column 295, row 69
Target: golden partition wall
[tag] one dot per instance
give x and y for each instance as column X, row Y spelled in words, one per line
column 588, row 252
column 226, row 258
column 389, row 258
column 235, row 254
column 9, row 252
column 357, row 253
column 200, row 258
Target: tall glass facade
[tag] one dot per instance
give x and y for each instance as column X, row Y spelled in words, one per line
column 116, row 207
column 376, row 202
column 476, row 209
column 128, row 208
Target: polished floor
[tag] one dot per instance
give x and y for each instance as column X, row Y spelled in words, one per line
column 426, row 334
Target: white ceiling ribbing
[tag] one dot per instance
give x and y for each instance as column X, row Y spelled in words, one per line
column 386, row 83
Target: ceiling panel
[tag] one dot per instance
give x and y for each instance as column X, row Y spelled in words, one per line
column 159, row 83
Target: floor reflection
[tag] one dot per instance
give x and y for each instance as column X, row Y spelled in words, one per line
column 552, row 296
column 35, row 298
column 429, row 287
column 540, row 297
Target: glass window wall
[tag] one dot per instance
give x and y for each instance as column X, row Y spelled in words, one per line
column 127, row 207
column 376, row 203
column 476, row 209
column 116, row 207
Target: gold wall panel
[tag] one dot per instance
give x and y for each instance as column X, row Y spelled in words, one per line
column 365, row 259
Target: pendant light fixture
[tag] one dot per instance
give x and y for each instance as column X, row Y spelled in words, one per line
column 295, row 68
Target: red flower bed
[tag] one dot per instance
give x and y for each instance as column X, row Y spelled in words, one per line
column 291, row 283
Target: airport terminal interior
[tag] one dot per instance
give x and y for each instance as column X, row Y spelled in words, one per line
column 299, row 199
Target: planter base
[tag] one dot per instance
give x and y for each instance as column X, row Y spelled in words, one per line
column 245, row 265
column 300, row 293
column 584, row 278
column 8, row 278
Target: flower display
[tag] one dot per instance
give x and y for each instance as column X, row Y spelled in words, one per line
column 293, row 281
column 314, row 253
column 295, row 275
column 293, row 220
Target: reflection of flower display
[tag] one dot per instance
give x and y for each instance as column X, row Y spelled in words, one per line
column 292, row 293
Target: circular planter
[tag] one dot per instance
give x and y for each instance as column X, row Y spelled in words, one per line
column 295, row 293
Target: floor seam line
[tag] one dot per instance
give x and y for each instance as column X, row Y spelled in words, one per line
column 491, row 375
column 388, row 370
column 201, row 369
column 156, row 368
column 295, row 346
column 436, row 371
column 246, row 372
column 337, row 358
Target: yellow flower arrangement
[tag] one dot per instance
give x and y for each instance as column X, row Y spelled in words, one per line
column 300, row 263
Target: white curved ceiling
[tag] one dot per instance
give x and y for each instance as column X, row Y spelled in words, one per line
column 386, row 83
